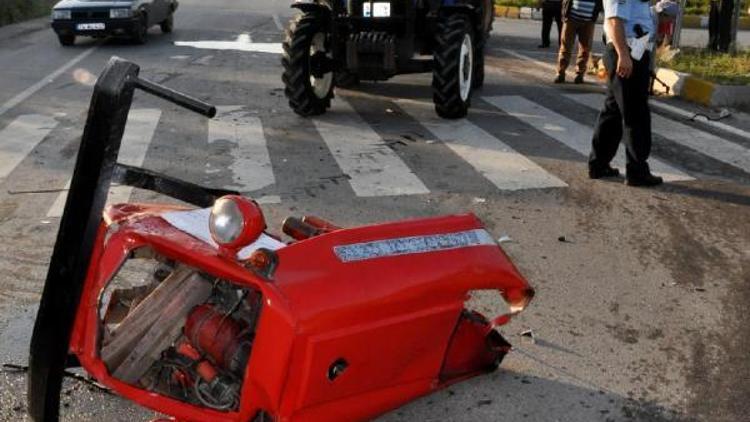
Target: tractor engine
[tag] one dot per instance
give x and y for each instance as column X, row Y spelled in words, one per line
column 178, row 332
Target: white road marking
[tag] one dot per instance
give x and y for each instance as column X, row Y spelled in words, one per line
column 57, row 208
column 703, row 142
column 242, row 43
column 28, row 92
column 530, row 59
column 374, row 169
column 569, row 132
column 139, row 131
column 251, row 167
column 495, row 160
column 688, row 114
column 20, row 137
column 277, row 22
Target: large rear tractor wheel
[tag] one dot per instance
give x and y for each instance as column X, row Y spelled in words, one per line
column 308, row 78
column 453, row 67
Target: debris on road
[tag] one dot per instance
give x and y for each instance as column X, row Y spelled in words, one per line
column 529, row 334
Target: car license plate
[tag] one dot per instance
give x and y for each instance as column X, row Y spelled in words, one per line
column 90, row 26
column 376, row 9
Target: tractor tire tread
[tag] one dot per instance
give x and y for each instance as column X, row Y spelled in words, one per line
column 445, row 76
column 295, row 57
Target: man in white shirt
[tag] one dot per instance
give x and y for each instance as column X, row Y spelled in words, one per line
column 629, row 26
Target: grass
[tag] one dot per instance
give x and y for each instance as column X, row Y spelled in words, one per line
column 12, row 11
column 716, row 67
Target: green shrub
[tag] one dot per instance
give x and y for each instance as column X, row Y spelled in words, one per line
column 718, row 67
column 12, row 11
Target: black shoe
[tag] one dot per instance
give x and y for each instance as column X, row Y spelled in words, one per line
column 560, row 79
column 600, row 172
column 646, row 179
column 578, row 79
column 543, row 46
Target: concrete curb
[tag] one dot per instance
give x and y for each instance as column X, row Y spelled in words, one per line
column 688, row 21
column 702, row 91
column 7, row 32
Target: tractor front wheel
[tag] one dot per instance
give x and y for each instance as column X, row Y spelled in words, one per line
column 307, row 77
column 453, row 67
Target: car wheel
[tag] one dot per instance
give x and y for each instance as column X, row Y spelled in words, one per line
column 167, row 24
column 453, row 67
column 140, row 33
column 67, row 40
column 306, row 51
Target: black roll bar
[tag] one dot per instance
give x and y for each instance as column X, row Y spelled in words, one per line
column 95, row 170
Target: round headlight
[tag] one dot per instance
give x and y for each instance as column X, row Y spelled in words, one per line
column 235, row 222
column 226, row 221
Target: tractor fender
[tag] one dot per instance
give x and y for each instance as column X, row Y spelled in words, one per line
column 312, row 7
column 474, row 13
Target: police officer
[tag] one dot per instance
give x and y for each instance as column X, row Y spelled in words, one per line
column 625, row 111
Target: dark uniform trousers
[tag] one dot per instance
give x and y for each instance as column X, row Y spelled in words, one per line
column 551, row 11
column 625, row 114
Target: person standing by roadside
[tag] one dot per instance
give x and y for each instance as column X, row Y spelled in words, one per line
column 629, row 26
column 551, row 10
column 720, row 25
column 579, row 17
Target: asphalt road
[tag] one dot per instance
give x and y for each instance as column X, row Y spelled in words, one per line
column 640, row 312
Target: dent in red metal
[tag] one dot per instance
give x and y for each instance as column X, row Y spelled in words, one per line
column 389, row 328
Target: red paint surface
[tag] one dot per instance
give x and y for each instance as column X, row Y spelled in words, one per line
column 397, row 321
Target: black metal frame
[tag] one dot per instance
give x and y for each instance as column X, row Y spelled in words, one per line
column 95, row 170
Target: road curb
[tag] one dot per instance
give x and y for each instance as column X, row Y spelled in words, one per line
column 14, row 30
column 688, row 21
column 701, row 91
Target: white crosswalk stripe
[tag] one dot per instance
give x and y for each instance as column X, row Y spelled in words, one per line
column 20, row 137
column 703, row 142
column 373, row 168
column 139, row 131
column 251, row 166
column 491, row 157
column 571, row 133
column 689, row 115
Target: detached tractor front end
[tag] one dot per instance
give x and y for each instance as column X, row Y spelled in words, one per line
column 198, row 313
column 340, row 42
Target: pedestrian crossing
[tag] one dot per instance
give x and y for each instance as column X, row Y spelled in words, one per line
column 571, row 133
column 20, row 137
column 371, row 165
column 488, row 154
column 701, row 141
column 373, row 168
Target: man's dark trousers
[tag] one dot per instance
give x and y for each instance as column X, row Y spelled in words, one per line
column 551, row 10
column 625, row 114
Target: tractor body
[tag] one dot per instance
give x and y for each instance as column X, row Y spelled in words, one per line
column 341, row 42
